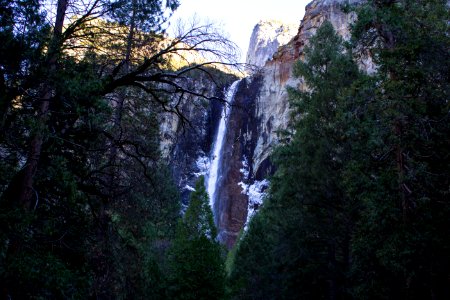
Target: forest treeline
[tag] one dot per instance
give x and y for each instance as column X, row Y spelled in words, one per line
column 88, row 208
column 359, row 206
column 357, row 209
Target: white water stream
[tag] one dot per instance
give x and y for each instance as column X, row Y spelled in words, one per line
column 216, row 155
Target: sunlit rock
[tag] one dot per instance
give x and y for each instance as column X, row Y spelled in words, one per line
column 259, row 112
column 267, row 37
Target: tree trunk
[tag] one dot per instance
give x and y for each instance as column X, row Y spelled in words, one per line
column 118, row 109
column 131, row 35
column 389, row 41
column 4, row 101
column 332, row 263
column 26, row 186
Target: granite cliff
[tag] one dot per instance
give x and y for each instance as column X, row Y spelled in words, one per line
column 260, row 109
column 266, row 38
column 186, row 143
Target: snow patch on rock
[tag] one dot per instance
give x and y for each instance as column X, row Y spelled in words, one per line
column 256, row 193
column 189, row 188
column 203, row 163
column 245, row 170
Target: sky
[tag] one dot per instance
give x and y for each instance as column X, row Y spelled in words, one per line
column 238, row 17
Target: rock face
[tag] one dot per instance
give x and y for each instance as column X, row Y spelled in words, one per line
column 231, row 207
column 186, row 144
column 267, row 37
column 260, row 110
column 272, row 105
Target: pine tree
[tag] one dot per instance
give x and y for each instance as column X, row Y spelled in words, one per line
column 399, row 250
column 308, row 214
column 358, row 207
column 196, row 257
column 82, row 186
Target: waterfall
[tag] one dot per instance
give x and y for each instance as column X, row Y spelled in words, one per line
column 216, row 155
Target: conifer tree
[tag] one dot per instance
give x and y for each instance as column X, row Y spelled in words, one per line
column 85, row 202
column 399, row 249
column 308, row 214
column 197, row 263
column 358, row 207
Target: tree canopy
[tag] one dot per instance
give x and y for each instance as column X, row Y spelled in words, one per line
column 358, row 207
column 87, row 205
column 197, row 264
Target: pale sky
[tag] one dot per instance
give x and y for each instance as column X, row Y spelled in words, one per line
column 238, row 17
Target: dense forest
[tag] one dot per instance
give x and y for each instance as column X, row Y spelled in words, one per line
column 358, row 207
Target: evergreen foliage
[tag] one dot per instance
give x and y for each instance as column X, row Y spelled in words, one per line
column 307, row 215
column 358, row 207
column 141, row 14
column 88, row 208
column 198, row 270
column 399, row 247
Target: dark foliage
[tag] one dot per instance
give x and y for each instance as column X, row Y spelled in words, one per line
column 88, row 208
column 197, row 265
column 358, row 208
